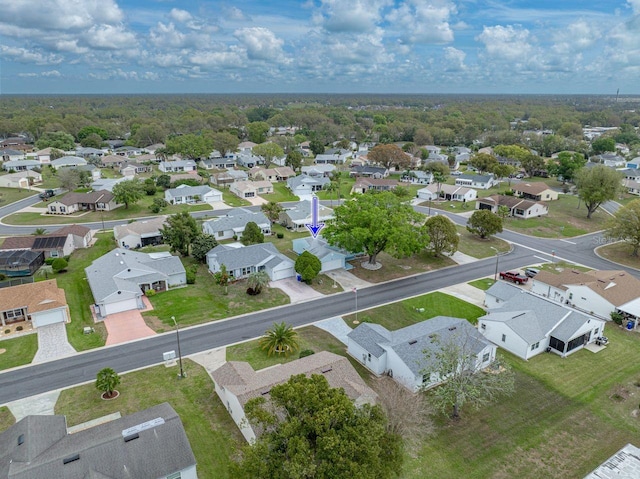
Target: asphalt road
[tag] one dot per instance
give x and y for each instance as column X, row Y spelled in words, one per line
column 40, row 378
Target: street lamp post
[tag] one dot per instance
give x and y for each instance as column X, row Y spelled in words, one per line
column 173, row 318
column 355, row 290
column 101, row 211
column 495, row 276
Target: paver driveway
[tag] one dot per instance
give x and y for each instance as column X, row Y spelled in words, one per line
column 52, row 343
column 126, row 326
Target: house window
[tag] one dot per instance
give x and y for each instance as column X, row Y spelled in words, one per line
column 535, row 346
column 486, row 357
column 53, row 209
column 570, row 295
column 425, row 378
column 504, row 338
column 53, row 254
column 15, row 313
column 62, row 209
column 175, row 475
column 483, row 326
column 246, row 270
column 369, row 357
column 220, row 233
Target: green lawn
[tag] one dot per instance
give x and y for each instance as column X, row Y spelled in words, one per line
column 79, row 296
column 284, row 244
column 205, row 301
column 559, row 266
column 212, row 434
column 140, row 209
column 483, row 284
column 6, row 418
column 280, row 194
column 480, row 248
column 620, row 253
column 233, row 200
column 19, row 351
column 405, row 313
column 346, row 184
column 393, row 268
column 11, row 195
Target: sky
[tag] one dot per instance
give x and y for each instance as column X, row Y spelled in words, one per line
column 319, row 46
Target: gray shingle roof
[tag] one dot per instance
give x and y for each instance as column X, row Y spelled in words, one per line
column 302, row 211
column 186, row 190
column 296, row 181
column 252, row 255
column 124, row 270
column 102, row 451
column 143, row 228
column 236, row 219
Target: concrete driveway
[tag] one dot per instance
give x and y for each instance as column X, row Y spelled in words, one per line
column 126, row 326
column 296, row 290
column 347, row 280
column 52, row 343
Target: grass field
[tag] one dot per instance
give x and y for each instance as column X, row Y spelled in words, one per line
column 79, row 295
column 480, row 248
column 18, row 351
column 11, row 195
column 205, row 301
column 280, row 194
column 6, row 418
column 209, row 427
column 405, row 313
column 393, row 268
column 620, row 253
column 483, row 284
column 233, row 200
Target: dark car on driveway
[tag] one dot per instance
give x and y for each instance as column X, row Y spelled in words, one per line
column 515, row 277
column 531, row 272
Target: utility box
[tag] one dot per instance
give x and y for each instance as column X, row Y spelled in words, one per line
column 169, row 355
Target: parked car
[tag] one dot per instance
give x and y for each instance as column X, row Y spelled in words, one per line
column 456, row 173
column 531, row 272
column 513, row 276
column 47, row 194
column 519, row 176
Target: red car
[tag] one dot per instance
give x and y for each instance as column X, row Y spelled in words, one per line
column 515, row 277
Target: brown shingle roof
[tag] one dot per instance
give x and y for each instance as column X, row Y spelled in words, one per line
column 40, row 296
column 531, row 188
column 18, row 242
column 92, row 197
column 76, row 230
column 240, row 379
column 508, row 201
column 561, row 279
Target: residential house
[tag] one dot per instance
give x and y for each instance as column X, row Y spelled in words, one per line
column 304, row 185
column 15, row 263
column 41, row 303
column 119, row 278
column 447, row 192
column 598, row 292
column 624, row 464
column 362, row 185
column 8, row 154
column 279, row 173
column 191, row 176
column 20, row 179
column 185, row 194
column 219, row 163
column 43, row 156
column 67, row 161
column 225, row 178
column 20, row 165
column 139, row 233
column 52, row 245
column 178, row 166
column 101, row 200
column 518, row 208
column 93, row 172
column 298, row 215
column 237, row 382
column 318, row 171
column 535, row 191
column 148, row 444
column 331, row 257
column 337, row 158
column 241, row 261
column 107, row 184
column 368, row 171
column 481, row 182
column 246, row 146
column 404, row 354
column 113, row 144
column 417, row 177
column 232, row 225
column 112, row 161
column 128, row 151
column 80, row 235
column 14, row 142
column 611, row 160
column 251, row 189
column 526, row 324
column 248, row 160
column 133, row 168
column 90, row 152
column 632, row 187
column 631, row 174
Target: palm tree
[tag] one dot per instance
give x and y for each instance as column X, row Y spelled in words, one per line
column 272, row 210
column 336, row 177
column 39, row 232
column 331, row 187
column 106, row 381
column 280, row 339
column 258, row 280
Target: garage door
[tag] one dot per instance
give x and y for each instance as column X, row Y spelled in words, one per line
column 283, row 273
column 331, row 265
column 47, row 317
column 120, row 306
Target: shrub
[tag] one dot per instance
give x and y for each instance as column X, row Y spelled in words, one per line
column 19, row 328
column 150, row 292
column 59, row 265
column 280, row 235
column 7, row 331
column 617, row 317
column 306, row 352
column 191, row 274
column 49, row 261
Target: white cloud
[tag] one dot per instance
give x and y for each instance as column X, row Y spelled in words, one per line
column 424, row 21
column 181, row 16
column 23, row 55
column 261, row 44
column 167, row 36
column 217, row 59
column 576, row 37
column 51, row 73
column 355, row 16
column 235, row 14
column 455, row 59
column 110, row 37
column 506, row 43
column 635, row 5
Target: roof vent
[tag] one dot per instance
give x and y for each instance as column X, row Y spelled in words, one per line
column 131, row 437
column 452, row 328
column 69, row 459
column 264, row 393
column 119, row 292
column 128, row 270
column 325, row 371
column 413, row 341
column 20, row 439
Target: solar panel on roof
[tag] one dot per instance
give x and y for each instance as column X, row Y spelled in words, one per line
column 49, row 242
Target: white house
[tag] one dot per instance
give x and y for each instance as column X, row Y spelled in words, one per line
column 251, row 189
column 8, row 154
column 185, row 194
column 298, row 215
column 234, row 222
column 318, row 170
column 20, row 165
column 236, row 383
column 447, row 192
column 20, row 179
column 177, row 166
column 42, row 303
column 526, row 324
column 304, row 185
column 241, row 261
column 518, row 207
column 139, row 233
column 480, row 182
column 597, row 292
column 80, row 235
column 67, row 161
column 331, row 257
column 402, row 354
column 119, row 278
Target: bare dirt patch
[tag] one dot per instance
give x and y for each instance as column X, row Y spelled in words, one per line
column 154, row 323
